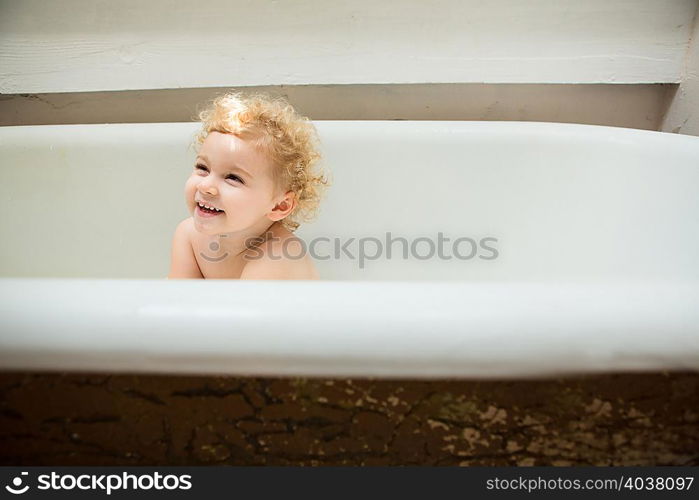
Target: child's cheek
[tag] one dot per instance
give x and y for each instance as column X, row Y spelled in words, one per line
column 189, row 191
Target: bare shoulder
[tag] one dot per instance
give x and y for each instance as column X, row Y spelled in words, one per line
column 185, row 230
column 282, row 256
column 187, row 227
column 182, row 261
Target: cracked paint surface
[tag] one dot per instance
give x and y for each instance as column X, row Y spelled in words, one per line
column 620, row 419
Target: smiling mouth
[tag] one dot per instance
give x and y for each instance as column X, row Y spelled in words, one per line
column 204, row 213
column 208, row 209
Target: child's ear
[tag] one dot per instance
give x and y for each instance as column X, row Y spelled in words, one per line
column 284, row 206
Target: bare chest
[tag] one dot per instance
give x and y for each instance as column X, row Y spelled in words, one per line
column 216, row 262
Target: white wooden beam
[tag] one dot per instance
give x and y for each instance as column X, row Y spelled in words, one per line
column 95, row 45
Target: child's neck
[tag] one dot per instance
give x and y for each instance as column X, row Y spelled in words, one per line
column 236, row 243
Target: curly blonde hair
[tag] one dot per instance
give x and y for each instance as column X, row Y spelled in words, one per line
column 290, row 140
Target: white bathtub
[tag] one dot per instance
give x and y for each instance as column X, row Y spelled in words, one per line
column 593, row 263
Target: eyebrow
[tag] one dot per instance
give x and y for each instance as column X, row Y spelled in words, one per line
column 234, row 167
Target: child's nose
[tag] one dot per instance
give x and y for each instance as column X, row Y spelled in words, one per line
column 207, row 188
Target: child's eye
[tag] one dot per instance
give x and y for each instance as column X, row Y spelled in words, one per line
column 201, row 167
column 235, row 178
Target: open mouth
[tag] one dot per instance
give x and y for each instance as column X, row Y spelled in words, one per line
column 208, row 210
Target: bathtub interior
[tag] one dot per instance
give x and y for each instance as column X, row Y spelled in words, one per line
column 563, row 203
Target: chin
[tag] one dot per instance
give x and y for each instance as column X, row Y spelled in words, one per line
column 203, row 227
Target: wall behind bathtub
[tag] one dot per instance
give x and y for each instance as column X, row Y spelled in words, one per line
column 610, row 62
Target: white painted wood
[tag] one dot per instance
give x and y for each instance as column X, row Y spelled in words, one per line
column 682, row 116
column 91, row 45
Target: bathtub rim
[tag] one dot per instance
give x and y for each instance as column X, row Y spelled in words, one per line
column 638, row 328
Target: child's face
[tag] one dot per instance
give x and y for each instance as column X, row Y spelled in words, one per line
column 232, row 175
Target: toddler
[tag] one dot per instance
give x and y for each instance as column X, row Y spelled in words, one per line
column 255, row 178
